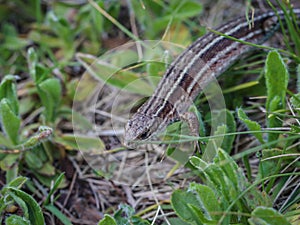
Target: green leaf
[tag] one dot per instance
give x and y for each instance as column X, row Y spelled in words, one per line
column 107, row 220
column 48, row 180
column 267, row 216
column 136, row 220
column 54, row 188
column 32, row 160
column 12, row 41
column 251, row 125
column 295, row 100
column 34, row 210
column 17, row 182
column 230, row 168
column 272, row 120
column 10, row 121
column 230, row 128
column 47, row 169
column 217, row 179
column 114, row 75
column 32, row 60
column 154, row 69
column 210, row 207
column 298, row 78
column 277, row 77
column 49, row 91
column 5, row 141
column 8, row 162
column 27, row 105
column 181, row 202
column 43, row 134
column 198, row 163
column 16, row 220
column 125, row 216
column 81, row 122
column 188, row 9
column 175, row 221
column 20, row 202
column 58, row 214
column 180, row 10
column 8, row 91
column 83, row 143
column 212, row 147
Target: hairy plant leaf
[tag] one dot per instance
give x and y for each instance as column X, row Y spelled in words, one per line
column 5, row 141
column 17, row 182
column 107, row 220
column 210, row 207
column 34, row 210
column 272, row 120
column 267, row 216
column 125, row 215
column 8, row 91
column 295, row 100
column 277, row 77
column 251, row 125
column 16, row 220
column 83, row 143
column 198, row 163
column 230, row 128
column 213, row 145
column 50, row 94
column 32, row 60
column 10, row 121
column 32, row 160
column 181, row 201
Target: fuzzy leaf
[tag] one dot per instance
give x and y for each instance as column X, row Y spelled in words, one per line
column 295, row 100
column 50, row 94
column 8, row 91
column 83, row 143
column 198, row 163
column 210, row 206
column 16, row 220
column 17, row 182
column 34, row 210
column 181, row 202
column 267, row 216
column 230, row 128
column 107, row 220
column 32, row 60
column 251, row 125
column 277, row 77
column 32, row 160
column 272, row 120
column 9, row 121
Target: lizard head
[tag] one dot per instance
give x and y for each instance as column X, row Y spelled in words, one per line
column 140, row 128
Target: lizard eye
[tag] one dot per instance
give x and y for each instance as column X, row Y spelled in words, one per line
column 144, row 135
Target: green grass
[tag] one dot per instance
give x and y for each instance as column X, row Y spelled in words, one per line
column 251, row 177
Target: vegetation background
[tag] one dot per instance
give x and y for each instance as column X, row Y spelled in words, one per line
column 60, row 165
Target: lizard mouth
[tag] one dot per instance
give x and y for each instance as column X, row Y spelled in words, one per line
column 139, row 129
